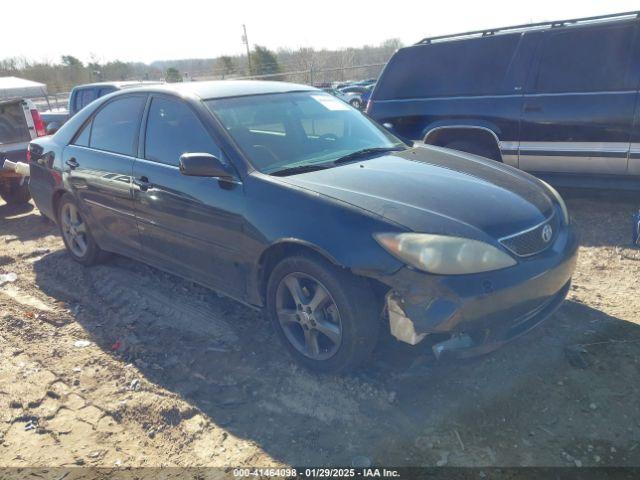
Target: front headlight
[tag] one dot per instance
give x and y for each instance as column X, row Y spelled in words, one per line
column 563, row 206
column 444, row 255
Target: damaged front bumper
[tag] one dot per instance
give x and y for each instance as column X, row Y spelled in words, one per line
column 478, row 313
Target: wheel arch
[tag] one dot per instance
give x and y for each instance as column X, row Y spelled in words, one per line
column 444, row 134
column 278, row 250
column 55, row 201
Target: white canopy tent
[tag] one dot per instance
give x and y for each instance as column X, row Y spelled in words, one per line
column 19, row 87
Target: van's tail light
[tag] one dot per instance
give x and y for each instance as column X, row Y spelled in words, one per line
column 367, row 109
column 29, row 154
column 38, row 123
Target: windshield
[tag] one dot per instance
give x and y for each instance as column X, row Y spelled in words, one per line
column 282, row 131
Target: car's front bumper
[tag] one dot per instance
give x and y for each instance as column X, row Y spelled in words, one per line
column 480, row 312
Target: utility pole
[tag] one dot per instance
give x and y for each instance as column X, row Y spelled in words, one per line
column 245, row 40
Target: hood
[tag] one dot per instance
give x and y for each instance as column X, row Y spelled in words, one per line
column 434, row 190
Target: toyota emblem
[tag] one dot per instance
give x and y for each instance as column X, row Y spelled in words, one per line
column 547, row 233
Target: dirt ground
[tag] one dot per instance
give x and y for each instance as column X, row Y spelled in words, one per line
column 122, row 364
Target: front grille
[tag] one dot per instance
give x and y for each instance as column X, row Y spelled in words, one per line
column 532, row 241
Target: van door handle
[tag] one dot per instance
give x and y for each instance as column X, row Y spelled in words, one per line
column 142, row 183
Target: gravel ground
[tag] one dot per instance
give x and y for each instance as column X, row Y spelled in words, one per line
column 122, row 364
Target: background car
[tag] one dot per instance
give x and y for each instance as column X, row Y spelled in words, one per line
column 539, row 97
column 366, row 94
column 20, row 122
column 352, row 98
column 83, row 95
column 359, row 89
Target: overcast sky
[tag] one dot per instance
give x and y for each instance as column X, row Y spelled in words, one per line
column 144, row 30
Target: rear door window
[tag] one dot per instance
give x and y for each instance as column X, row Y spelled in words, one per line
column 82, row 138
column 13, row 126
column 173, row 129
column 585, row 59
column 115, row 126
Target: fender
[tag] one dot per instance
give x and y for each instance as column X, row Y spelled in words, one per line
column 256, row 279
column 302, row 243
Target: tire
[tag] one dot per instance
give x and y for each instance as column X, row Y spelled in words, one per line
column 15, row 193
column 91, row 254
column 355, row 309
column 355, row 103
column 475, row 148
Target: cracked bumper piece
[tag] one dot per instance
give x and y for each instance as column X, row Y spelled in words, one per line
column 481, row 312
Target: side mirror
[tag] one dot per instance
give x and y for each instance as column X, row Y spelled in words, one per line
column 52, row 128
column 203, row 165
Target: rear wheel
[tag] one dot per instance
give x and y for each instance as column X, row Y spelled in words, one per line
column 326, row 318
column 15, row 191
column 75, row 233
column 480, row 149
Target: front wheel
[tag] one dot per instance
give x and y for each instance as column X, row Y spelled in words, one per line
column 327, row 318
column 15, row 191
column 355, row 103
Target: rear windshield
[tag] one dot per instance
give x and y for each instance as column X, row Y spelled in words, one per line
column 460, row 67
column 13, row 126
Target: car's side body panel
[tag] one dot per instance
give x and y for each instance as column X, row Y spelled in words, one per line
column 283, row 213
column 193, row 226
column 576, row 130
column 539, row 128
column 102, row 182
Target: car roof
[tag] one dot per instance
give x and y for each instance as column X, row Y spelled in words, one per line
column 118, row 85
column 228, row 88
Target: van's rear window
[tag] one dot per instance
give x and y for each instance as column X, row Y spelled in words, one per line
column 13, row 126
column 458, row 67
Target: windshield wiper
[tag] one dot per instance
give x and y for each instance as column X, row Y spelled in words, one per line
column 346, row 158
column 300, row 169
column 364, row 152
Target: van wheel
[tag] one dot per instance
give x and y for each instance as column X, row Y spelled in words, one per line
column 483, row 150
column 15, row 193
column 75, row 233
column 326, row 317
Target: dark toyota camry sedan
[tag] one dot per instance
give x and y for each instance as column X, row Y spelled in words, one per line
column 287, row 199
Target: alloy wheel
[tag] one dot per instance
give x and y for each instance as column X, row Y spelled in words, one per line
column 74, row 229
column 309, row 316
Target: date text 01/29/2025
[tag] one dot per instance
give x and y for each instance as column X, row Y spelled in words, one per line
column 316, row 472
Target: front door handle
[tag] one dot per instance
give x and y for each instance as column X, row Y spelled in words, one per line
column 72, row 163
column 142, row 183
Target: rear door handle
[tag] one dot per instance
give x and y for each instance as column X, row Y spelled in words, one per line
column 142, row 183
column 72, row 163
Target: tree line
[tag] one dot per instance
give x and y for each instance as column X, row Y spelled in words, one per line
column 305, row 65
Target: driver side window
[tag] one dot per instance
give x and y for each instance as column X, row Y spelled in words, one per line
column 174, row 129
